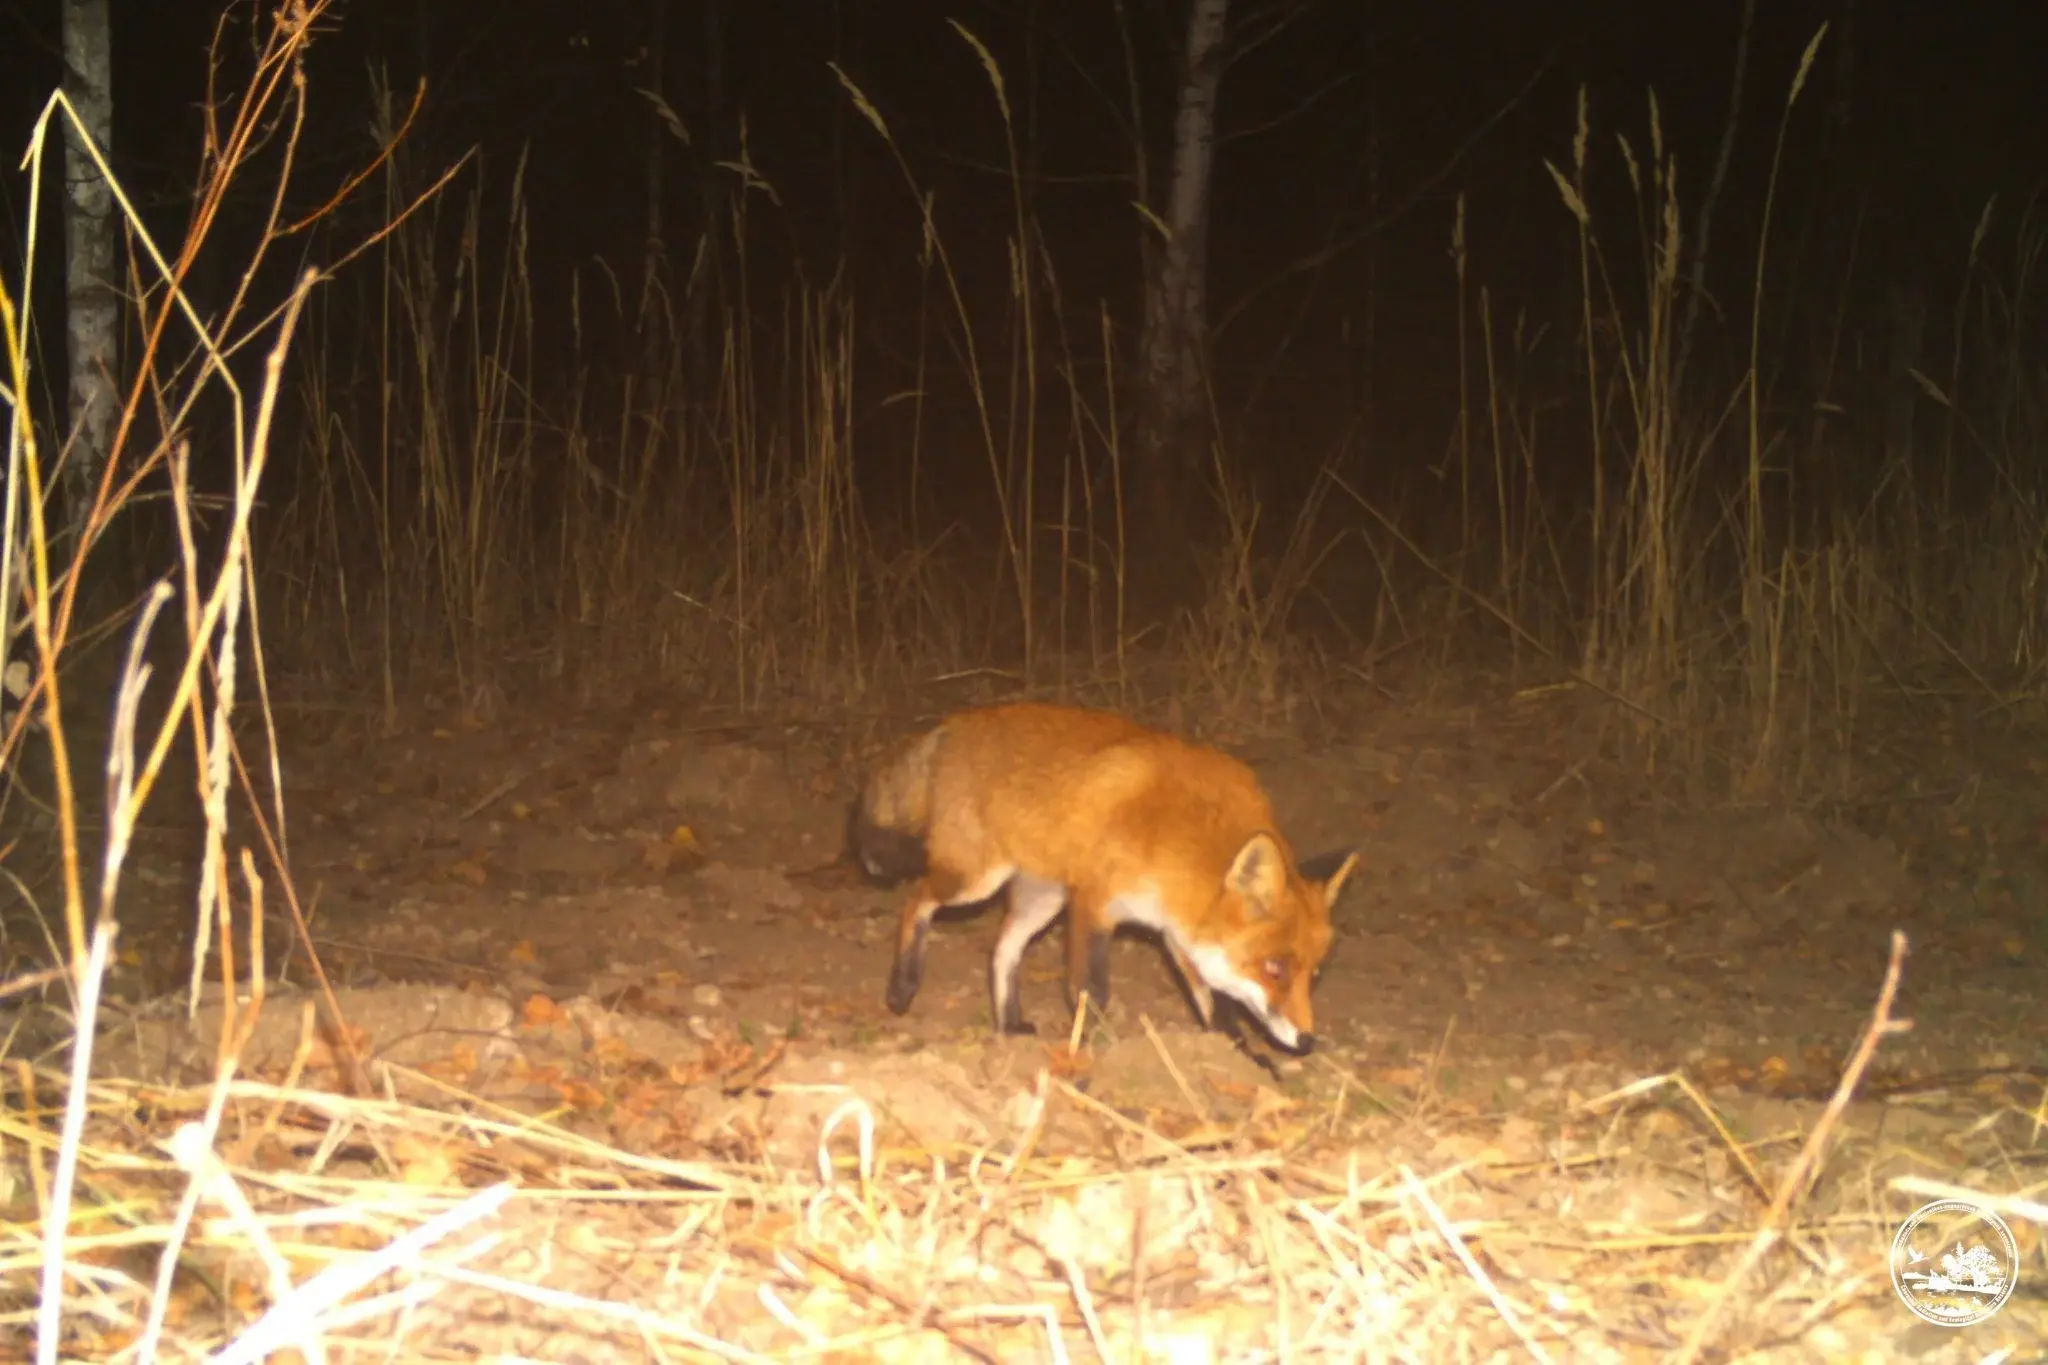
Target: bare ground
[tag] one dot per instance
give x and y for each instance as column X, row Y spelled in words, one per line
column 637, row 919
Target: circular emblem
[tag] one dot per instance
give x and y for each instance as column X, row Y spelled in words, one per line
column 1954, row 1263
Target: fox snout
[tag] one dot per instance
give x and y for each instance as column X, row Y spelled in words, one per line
column 1290, row 1017
column 1274, row 991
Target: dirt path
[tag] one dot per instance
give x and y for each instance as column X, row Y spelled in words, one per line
column 652, row 906
column 1509, row 914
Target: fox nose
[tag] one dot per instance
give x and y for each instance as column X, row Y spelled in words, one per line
column 1293, row 1039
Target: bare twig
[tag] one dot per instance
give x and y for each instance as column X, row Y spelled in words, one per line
column 1793, row 1185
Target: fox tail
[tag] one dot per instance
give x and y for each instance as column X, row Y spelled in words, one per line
column 885, row 829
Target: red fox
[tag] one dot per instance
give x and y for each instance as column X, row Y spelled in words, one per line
column 1117, row 824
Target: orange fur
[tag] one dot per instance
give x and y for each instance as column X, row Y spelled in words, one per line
column 1114, row 823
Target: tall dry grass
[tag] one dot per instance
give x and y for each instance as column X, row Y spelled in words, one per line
column 185, row 387
column 1752, row 594
column 475, row 515
column 1659, row 522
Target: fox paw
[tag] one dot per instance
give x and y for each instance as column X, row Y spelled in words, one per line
column 902, row 990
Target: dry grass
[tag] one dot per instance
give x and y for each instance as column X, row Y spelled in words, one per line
column 1757, row 589
column 232, row 1220
column 688, row 507
column 724, row 546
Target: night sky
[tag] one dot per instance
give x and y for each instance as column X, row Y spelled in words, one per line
column 1359, row 124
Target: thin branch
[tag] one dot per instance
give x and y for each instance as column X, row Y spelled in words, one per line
column 1697, row 276
column 1804, row 1165
column 1316, row 260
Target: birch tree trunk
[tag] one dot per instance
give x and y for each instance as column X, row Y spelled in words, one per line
column 654, row 253
column 703, row 288
column 1173, row 440
column 93, row 319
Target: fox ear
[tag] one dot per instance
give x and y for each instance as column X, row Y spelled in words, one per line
column 1259, row 872
column 1332, row 870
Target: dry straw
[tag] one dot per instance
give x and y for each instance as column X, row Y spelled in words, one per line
column 475, row 1230
column 382, row 1214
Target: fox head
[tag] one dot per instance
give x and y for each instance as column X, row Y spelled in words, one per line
column 1276, row 931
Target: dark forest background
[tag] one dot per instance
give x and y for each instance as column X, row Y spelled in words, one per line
column 782, row 353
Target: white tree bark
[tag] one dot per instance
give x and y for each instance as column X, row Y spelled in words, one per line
column 92, row 332
column 1177, row 292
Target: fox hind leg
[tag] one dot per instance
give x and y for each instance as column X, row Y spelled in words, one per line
column 937, row 891
column 1034, row 903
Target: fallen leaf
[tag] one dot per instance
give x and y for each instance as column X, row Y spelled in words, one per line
column 424, row 1163
column 245, row 1297
column 1721, row 1071
column 1211, row 1134
column 1662, row 1123
column 459, row 1066
column 1268, row 1102
column 580, row 1093
column 680, row 852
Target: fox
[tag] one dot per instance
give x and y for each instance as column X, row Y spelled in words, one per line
column 1089, row 812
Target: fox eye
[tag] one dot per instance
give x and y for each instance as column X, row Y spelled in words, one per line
column 1277, row 968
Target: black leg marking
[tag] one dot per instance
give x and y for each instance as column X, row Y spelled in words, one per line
column 1013, row 1020
column 1231, row 1020
column 908, row 973
column 1004, row 987
column 1098, row 971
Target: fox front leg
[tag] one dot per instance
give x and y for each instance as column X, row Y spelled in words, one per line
column 1087, row 963
column 1198, row 989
